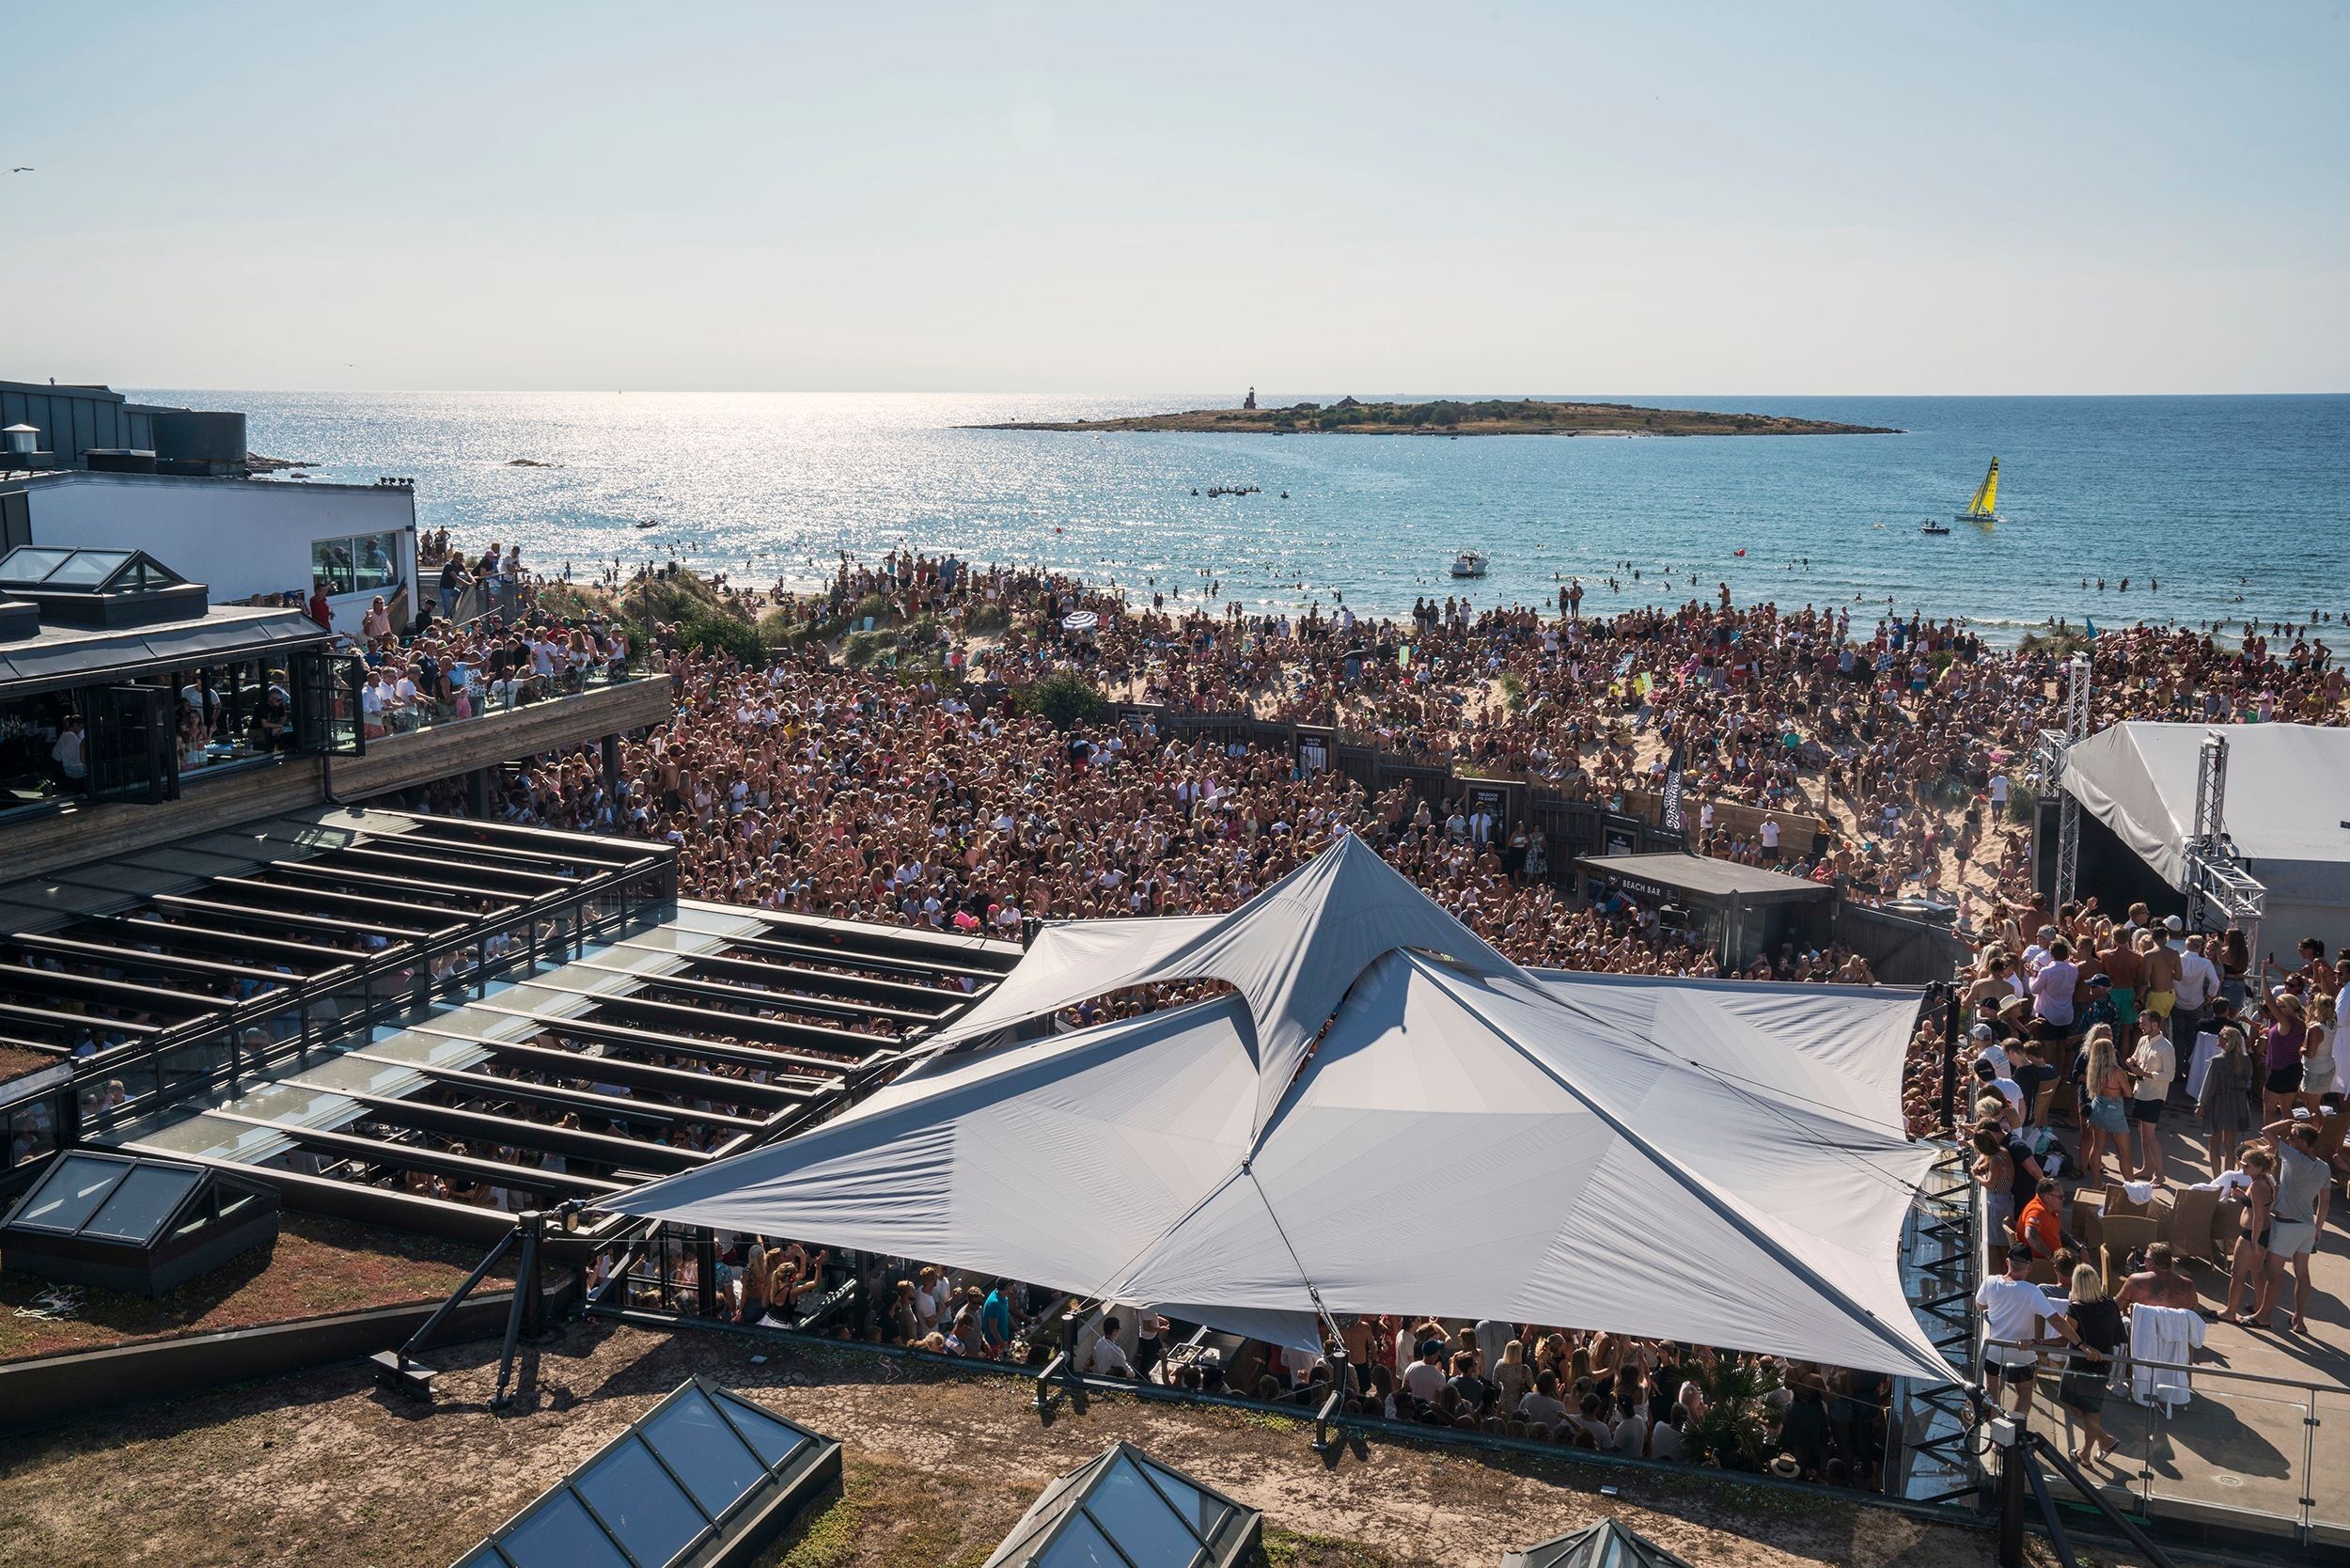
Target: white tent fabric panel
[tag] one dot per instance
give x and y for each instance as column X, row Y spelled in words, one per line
column 1059, row 1154
column 1709, row 1163
column 1291, row 951
column 1835, row 1047
column 2288, row 794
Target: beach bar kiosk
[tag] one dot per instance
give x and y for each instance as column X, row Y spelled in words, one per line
column 1740, row 912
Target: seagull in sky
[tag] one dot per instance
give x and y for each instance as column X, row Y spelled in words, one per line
column 22, row 169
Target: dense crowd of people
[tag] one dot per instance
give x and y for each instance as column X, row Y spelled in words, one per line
column 918, row 789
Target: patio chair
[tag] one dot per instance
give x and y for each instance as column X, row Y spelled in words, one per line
column 2227, row 1224
column 2087, row 1219
column 2124, row 1235
column 2186, row 1225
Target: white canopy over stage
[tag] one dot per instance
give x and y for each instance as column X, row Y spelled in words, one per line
column 1722, row 1162
column 2288, row 800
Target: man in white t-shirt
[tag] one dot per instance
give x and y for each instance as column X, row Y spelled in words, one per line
column 1770, row 833
column 2016, row 1315
column 1999, row 795
column 68, row 753
column 1425, row 1378
column 2199, row 983
column 2153, row 1063
column 1108, row 1360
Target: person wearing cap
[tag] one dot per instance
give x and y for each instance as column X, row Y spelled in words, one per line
column 2017, row 1315
column 2097, row 1006
column 1990, row 1077
column 1983, row 1041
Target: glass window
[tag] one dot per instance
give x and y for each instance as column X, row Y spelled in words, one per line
column 1203, row 1511
column 714, row 1464
column 139, row 1206
column 30, row 565
column 40, row 760
column 640, row 1504
column 329, row 564
column 375, row 561
column 1138, row 1519
column 363, row 563
column 559, row 1534
column 72, row 1193
column 228, row 712
column 32, row 1132
column 774, row 1440
column 85, row 569
column 1080, row 1545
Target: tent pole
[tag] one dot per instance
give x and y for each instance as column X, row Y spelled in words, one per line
column 1951, row 1022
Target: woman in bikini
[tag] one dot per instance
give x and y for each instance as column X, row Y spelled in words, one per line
column 2251, row 1247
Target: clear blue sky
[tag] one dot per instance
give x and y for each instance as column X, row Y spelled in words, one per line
column 1867, row 198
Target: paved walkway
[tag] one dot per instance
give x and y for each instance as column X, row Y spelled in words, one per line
column 2241, row 1444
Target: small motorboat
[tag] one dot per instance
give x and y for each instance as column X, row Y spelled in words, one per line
column 1931, row 527
column 1469, row 563
column 646, row 522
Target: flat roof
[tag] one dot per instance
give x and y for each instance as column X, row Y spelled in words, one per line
column 46, row 476
column 1700, row 876
column 424, row 1005
column 58, row 656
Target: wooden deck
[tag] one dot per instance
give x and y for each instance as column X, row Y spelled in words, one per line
column 81, row 835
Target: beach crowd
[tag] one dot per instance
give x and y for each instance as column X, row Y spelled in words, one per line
column 917, row 786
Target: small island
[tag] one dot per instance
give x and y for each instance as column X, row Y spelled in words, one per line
column 1448, row 416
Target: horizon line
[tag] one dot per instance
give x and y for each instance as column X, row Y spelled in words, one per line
column 1046, row 392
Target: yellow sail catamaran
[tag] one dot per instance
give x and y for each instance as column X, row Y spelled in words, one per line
column 1984, row 507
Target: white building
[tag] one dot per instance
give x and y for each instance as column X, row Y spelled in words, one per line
column 243, row 537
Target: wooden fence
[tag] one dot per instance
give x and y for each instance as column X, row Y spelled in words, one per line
column 1573, row 827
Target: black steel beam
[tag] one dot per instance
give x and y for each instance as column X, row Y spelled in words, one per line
column 133, row 957
column 683, row 1046
column 292, row 922
column 162, row 934
column 674, row 1080
column 824, row 983
column 344, row 877
column 478, row 1126
column 383, row 1152
column 323, row 899
column 786, row 1000
column 858, row 1046
column 583, row 1102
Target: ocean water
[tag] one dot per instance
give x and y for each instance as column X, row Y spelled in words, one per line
column 2235, row 506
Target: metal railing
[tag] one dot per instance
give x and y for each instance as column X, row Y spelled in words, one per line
column 1931, row 1457
column 216, row 1054
column 2252, row 1450
column 656, row 1279
column 487, row 696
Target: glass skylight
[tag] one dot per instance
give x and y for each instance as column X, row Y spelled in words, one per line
column 1126, row 1510
column 658, row 1494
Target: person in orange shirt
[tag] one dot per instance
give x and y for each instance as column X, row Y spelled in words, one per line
column 2041, row 1226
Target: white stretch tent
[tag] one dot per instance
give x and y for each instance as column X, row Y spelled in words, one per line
column 2288, row 796
column 1715, row 1162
